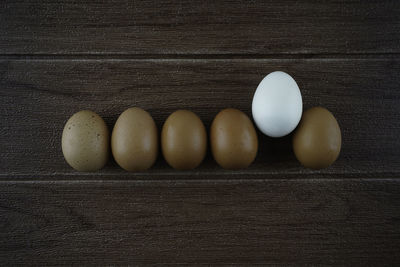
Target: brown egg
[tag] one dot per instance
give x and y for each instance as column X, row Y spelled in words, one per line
column 317, row 139
column 233, row 139
column 86, row 141
column 183, row 140
column 134, row 140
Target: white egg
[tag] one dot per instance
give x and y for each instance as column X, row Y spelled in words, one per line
column 277, row 104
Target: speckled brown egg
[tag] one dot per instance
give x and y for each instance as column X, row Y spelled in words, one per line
column 183, row 140
column 134, row 140
column 317, row 139
column 233, row 139
column 86, row 141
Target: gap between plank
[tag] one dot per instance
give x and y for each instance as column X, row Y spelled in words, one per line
column 183, row 181
column 198, row 176
column 119, row 56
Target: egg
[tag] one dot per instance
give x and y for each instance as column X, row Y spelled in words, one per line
column 86, row 141
column 134, row 140
column 277, row 104
column 183, row 140
column 317, row 140
column 233, row 139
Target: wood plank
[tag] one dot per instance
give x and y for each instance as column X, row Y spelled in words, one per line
column 301, row 222
column 199, row 27
column 38, row 96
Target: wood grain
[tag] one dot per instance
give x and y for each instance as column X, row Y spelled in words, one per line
column 301, row 222
column 199, row 27
column 61, row 56
column 38, row 97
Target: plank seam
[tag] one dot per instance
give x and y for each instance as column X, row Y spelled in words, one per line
column 117, row 56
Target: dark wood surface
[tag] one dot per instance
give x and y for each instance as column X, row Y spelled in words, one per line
column 192, row 27
column 298, row 222
column 58, row 57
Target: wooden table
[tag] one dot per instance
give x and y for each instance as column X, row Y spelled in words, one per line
column 58, row 57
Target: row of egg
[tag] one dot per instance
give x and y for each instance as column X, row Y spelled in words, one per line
column 277, row 110
column 135, row 141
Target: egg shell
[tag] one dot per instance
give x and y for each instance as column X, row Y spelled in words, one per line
column 317, row 140
column 134, row 140
column 183, row 140
column 277, row 104
column 233, row 139
column 86, row 141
